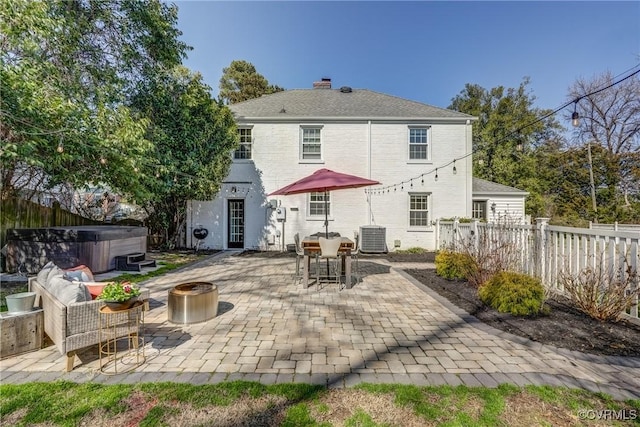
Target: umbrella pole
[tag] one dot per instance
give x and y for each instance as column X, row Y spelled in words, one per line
column 326, row 225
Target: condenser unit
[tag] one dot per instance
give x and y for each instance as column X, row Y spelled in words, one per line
column 373, row 239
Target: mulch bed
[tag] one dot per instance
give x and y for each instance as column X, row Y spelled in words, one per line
column 564, row 326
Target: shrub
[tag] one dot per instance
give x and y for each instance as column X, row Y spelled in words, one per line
column 514, row 293
column 453, row 265
column 601, row 294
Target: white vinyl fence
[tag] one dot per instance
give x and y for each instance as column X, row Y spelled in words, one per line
column 546, row 251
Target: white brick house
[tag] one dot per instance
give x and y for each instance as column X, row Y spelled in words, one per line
column 288, row 135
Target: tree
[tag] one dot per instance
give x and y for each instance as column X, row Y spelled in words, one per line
column 193, row 137
column 610, row 124
column 240, row 81
column 509, row 138
column 68, row 69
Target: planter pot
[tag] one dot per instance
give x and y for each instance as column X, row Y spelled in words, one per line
column 21, row 302
column 121, row 305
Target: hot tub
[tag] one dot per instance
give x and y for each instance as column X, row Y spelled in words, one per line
column 94, row 246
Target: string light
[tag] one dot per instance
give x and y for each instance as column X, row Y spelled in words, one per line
column 574, row 116
column 455, row 171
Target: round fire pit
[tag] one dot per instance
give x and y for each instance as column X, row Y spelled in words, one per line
column 192, row 302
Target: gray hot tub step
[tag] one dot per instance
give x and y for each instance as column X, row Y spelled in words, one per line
column 133, row 262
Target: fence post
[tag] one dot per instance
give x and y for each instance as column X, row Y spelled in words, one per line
column 437, row 234
column 474, row 236
column 455, row 234
column 541, row 249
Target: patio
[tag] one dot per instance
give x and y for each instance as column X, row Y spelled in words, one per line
column 387, row 328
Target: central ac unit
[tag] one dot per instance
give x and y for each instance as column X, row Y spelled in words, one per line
column 373, row 239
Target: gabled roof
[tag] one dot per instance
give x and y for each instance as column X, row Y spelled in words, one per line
column 339, row 104
column 484, row 187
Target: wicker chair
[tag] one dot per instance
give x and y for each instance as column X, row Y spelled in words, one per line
column 71, row 327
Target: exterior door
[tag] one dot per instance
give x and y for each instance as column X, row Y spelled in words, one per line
column 236, row 224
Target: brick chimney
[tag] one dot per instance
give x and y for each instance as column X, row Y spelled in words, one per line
column 325, row 83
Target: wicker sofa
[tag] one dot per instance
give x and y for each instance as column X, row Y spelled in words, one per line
column 71, row 326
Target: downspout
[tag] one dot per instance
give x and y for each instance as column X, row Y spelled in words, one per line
column 370, row 213
column 469, row 148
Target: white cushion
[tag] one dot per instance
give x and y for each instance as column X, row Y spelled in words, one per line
column 42, row 274
column 54, row 272
column 68, row 292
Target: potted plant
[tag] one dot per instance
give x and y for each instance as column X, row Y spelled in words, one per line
column 119, row 295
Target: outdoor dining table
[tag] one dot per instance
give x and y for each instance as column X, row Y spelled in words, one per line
column 311, row 247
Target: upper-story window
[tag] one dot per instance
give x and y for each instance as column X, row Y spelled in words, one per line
column 244, row 150
column 419, row 143
column 419, row 210
column 311, row 143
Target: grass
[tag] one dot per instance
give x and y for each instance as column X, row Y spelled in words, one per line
column 63, row 403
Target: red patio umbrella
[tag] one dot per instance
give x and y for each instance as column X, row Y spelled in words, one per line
column 324, row 180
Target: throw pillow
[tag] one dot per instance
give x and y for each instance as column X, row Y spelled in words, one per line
column 84, row 269
column 95, row 288
column 54, row 272
column 68, row 292
column 44, row 273
column 77, row 276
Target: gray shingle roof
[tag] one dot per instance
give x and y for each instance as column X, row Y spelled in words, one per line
column 482, row 186
column 333, row 103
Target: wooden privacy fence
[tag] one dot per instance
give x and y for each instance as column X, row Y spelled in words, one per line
column 547, row 252
column 19, row 213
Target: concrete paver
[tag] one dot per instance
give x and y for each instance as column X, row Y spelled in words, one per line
column 387, row 329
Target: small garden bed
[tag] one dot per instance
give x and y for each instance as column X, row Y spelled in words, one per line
column 564, row 326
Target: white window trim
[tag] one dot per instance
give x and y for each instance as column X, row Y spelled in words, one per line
column 486, row 208
column 304, row 126
column 253, row 138
column 428, row 160
column 321, row 217
column 428, row 227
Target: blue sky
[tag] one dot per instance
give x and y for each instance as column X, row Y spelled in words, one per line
column 420, row 50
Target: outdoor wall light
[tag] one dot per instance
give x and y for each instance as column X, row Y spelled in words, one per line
column 493, row 207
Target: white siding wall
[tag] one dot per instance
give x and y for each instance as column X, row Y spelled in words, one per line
column 375, row 150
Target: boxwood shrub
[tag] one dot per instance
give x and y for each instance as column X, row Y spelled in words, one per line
column 514, row 293
column 453, row 265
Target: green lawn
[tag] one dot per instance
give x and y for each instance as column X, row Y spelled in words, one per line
column 248, row 403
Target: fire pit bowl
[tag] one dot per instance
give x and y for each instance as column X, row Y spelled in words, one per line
column 192, row 302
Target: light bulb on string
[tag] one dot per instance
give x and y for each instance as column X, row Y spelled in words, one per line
column 575, row 117
column 422, row 179
column 455, row 171
column 436, row 177
column 411, row 184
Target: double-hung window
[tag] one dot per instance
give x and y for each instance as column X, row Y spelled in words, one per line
column 244, row 150
column 419, row 210
column 317, row 204
column 419, row 143
column 310, row 143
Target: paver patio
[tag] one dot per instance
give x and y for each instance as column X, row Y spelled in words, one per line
column 387, row 328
